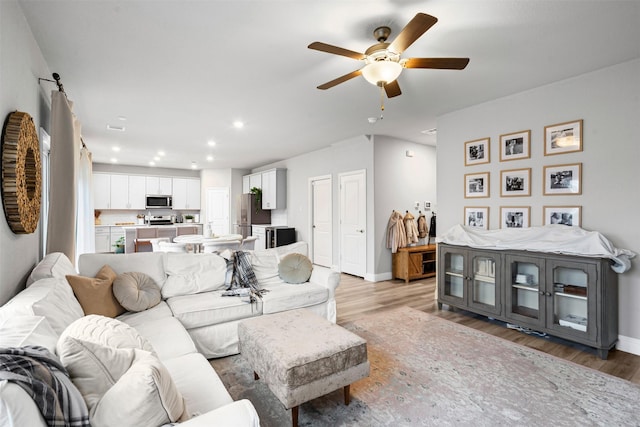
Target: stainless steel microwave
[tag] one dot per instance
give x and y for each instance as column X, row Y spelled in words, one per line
column 158, row 202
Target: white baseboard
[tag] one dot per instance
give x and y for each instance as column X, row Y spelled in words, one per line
column 378, row 277
column 628, row 344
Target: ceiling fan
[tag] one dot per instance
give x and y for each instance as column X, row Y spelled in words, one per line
column 383, row 63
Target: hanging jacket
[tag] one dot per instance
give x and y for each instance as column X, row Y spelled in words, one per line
column 422, row 226
column 411, row 228
column 396, row 235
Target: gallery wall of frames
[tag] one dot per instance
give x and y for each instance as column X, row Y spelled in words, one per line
column 558, row 177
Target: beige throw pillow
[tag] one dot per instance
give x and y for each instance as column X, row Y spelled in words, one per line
column 136, row 291
column 295, row 268
column 95, row 294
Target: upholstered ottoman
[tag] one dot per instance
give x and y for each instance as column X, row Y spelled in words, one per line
column 301, row 356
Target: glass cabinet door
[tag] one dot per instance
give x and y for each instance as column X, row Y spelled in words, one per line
column 572, row 300
column 454, row 275
column 525, row 300
column 484, row 292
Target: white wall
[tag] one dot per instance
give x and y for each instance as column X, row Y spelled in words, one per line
column 21, row 64
column 608, row 101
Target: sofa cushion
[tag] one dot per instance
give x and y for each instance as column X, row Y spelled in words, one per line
column 151, row 263
column 95, row 294
column 295, row 268
column 168, row 337
column 211, row 308
column 136, row 291
column 286, row 296
column 51, row 298
column 145, row 395
column 189, row 274
column 265, row 267
column 134, row 319
column 19, row 331
column 55, row 264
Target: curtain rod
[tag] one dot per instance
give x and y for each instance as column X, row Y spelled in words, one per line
column 56, row 80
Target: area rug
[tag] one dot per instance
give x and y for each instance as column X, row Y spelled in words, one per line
column 429, row 371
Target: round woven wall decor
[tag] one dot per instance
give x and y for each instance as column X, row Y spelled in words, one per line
column 21, row 173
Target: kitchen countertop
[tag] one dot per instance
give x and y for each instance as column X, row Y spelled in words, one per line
column 177, row 224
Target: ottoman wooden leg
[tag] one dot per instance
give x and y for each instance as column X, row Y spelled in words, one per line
column 347, row 394
column 256, row 377
column 294, row 416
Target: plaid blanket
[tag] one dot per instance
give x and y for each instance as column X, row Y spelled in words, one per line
column 42, row 376
column 243, row 279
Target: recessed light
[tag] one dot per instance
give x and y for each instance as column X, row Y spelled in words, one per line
column 211, row 143
column 431, row 131
column 161, row 153
column 193, row 165
column 156, row 158
column 116, row 128
column 116, row 149
column 152, row 163
column 238, row 124
column 372, row 119
column 122, row 118
column 114, row 160
column 210, row 158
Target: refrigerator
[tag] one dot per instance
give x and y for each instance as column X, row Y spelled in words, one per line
column 249, row 212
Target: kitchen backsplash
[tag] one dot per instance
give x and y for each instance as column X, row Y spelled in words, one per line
column 113, row 217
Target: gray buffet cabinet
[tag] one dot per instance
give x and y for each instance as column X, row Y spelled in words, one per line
column 571, row 297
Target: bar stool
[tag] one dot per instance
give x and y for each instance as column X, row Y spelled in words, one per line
column 143, row 237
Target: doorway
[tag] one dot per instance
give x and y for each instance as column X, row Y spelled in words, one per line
column 353, row 221
column 321, row 211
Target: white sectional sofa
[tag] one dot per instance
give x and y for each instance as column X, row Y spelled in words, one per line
column 193, row 322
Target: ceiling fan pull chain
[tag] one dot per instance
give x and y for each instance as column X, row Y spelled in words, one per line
column 381, row 101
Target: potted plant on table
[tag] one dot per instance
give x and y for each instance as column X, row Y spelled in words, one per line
column 119, row 245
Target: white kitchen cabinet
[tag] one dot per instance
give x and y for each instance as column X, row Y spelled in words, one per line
column 103, row 238
column 260, row 232
column 159, row 185
column 128, row 191
column 255, row 180
column 186, row 193
column 274, row 189
column 101, row 191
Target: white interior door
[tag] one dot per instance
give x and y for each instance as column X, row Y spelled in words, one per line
column 218, row 209
column 321, row 221
column 353, row 221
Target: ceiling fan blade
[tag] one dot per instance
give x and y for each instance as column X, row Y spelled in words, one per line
column 339, row 80
column 410, row 33
column 323, row 47
column 392, row 89
column 440, row 63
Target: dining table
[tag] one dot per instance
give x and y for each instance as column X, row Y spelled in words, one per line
column 198, row 240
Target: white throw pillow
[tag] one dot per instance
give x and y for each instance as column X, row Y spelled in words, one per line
column 144, row 396
column 136, row 291
column 193, row 273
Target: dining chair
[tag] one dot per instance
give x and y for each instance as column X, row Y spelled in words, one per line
column 155, row 243
column 213, row 246
column 248, row 243
column 143, row 237
column 172, row 247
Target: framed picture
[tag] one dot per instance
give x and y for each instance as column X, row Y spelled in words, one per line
column 476, row 185
column 563, row 138
column 476, row 152
column 515, row 182
column 477, row 217
column 563, row 179
column 566, row 215
column 514, row 146
column 514, row 216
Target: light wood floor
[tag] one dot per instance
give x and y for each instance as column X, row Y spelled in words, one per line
column 356, row 298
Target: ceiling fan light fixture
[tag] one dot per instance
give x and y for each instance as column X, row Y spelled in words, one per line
column 379, row 73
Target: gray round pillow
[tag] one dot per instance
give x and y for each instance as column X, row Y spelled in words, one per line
column 295, row 268
column 136, row 291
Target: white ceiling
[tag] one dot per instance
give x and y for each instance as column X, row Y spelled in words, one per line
column 182, row 71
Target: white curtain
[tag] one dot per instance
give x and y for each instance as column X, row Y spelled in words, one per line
column 65, row 217
column 85, row 240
